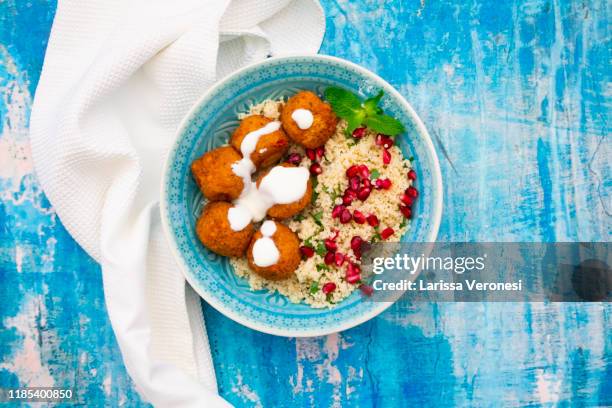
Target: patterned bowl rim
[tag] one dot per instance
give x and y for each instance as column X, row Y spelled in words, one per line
column 435, row 219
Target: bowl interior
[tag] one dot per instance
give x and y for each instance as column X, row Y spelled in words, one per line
column 210, row 124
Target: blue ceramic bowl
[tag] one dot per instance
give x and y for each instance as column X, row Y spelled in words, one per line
column 210, row 124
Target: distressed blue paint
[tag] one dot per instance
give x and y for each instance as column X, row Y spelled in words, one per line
column 514, row 95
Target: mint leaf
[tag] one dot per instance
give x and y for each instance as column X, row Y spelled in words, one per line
column 384, row 124
column 344, row 103
column 374, row 174
column 371, row 104
column 354, row 121
column 348, row 106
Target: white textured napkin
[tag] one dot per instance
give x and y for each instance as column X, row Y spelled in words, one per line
column 117, row 78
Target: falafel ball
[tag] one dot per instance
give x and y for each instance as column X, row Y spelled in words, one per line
column 270, row 147
column 215, row 233
column 323, row 125
column 288, row 245
column 282, row 211
column 214, row 175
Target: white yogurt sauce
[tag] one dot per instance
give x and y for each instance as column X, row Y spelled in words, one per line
column 285, row 184
column 238, row 218
column 265, row 252
column 282, row 185
column 268, row 228
column 245, row 167
column 303, row 118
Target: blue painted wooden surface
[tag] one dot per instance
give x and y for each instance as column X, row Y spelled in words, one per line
column 517, row 97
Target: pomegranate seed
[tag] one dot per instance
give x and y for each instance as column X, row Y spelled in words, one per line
column 294, row 158
column 330, row 244
column 358, row 217
column 366, row 183
column 328, row 288
column 412, row 175
column 352, row 171
column 336, row 232
column 352, row 269
column 349, row 196
column 386, row 157
column 364, row 172
column 378, row 184
column 329, row 258
column 337, row 211
column 386, row 183
column 339, row 259
column 316, row 169
column 346, row 216
column 356, row 243
column 349, row 269
column 387, row 142
column 372, row 220
column 379, row 139
column 354, row 183
column 386, row 233
column 311, row 154
column 406, row 211
column 406, row 199
column 366, row 289
column 352, row 279
column 359, row 132
column 307, row 251
column 320, row 152
column 364, row 193
column 412, row 192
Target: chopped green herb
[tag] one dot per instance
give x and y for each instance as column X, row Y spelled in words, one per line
column 314, row 287
column 349, row 107
column 322, row 267
column 328, row 297
column 320, row 249
column 300, row 217
column 411, row 158
column 338, row 191
column 308, row 242
column 374, row 174
column 315, row 194
column 317, row 218
column 376, row 238
column 403, row 223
